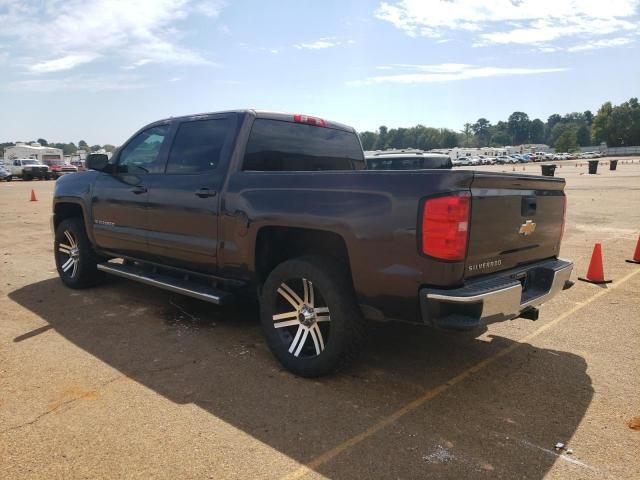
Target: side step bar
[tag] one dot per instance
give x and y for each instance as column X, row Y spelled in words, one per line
column 166, row 282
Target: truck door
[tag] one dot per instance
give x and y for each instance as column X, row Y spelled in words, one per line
column 184, row 201
column 120, row 198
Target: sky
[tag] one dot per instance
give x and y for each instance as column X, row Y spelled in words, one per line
column 98, row 70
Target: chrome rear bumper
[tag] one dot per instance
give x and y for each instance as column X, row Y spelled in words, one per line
column 497, row 297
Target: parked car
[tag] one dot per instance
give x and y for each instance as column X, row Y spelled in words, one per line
column 407, row 161
column 458, row 162
column 540, row 156
column 5, row 174
column 474, row 161
column 502, row 159
column 28, row 169
column 79, row 164
column 57, row 168
column 281, row 207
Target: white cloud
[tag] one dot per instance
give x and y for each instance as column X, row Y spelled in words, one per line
column 77, row 82
column 445, row 72
column 509, row 21
column 209, row 8
column 322, row 43
column 63, row 63
column 75, row 32
column 610, row 42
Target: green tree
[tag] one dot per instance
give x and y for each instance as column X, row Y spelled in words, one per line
column 518, row 127
column 368, row 140
column 381, row 142
column 449, row 138
column 500, row 139
column 536, row 131
column 567, row 141
column 588, row 117
column 42, row 142
column 482, row 131
column 583, row 138
column 467, row 133
column 82, row 145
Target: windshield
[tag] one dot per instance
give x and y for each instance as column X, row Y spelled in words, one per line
column 30, row 162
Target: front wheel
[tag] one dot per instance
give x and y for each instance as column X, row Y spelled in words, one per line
column 310, row 317
column 76, row 262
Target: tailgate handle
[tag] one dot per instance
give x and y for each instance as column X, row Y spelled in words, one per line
column 528, row 206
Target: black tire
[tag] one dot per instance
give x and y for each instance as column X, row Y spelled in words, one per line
column 9, row 178
column 76, row 261
column 326, row 331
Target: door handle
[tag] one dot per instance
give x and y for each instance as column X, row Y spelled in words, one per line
column 205, row 192
column 139, row 189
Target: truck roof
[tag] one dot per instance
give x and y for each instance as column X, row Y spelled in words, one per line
column 283, row 116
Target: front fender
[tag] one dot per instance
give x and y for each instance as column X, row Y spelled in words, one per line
column 77, row 189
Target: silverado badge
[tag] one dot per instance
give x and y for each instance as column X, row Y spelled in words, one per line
column 527, row 228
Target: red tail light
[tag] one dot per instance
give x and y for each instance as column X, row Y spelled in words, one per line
column 445, row 225
column 318, row 122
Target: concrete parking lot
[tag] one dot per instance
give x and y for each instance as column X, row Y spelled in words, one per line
column 126, row 381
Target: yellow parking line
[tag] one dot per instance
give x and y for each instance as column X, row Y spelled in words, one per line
column 434, row 392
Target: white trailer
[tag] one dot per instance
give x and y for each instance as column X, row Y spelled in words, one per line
column 33, row 150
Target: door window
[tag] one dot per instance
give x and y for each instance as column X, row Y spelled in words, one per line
column 142, row 154
column 198, row 145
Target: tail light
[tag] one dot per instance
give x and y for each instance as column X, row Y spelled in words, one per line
column 318, row 122
column 445, row 226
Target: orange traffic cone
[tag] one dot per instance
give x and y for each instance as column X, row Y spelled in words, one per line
column 33, row 196
column 595, row 274
column 636, row 255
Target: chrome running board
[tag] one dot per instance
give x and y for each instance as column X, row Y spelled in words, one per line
column 167, row 282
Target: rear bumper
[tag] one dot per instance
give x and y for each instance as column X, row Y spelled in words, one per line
column 502, row 296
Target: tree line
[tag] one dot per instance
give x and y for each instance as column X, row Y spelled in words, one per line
column 67, row 148
column 616, row 125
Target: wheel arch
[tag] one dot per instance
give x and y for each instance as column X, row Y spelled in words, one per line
column 276, row 244
column 70, row 208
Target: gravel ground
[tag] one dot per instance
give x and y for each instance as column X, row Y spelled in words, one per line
column 126, row 381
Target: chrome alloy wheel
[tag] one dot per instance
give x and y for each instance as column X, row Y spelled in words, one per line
column 70, row 254
column 305, row 329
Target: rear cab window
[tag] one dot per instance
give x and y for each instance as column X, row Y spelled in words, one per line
column 278, row 145
column 198, row 145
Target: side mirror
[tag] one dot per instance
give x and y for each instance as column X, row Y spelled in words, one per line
column 97, row 161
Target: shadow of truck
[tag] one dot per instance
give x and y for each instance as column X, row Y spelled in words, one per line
column 502, row 422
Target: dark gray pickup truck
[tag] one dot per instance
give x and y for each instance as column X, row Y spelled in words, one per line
column 219, row 205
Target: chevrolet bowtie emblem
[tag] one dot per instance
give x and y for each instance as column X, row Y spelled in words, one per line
column 527, row 228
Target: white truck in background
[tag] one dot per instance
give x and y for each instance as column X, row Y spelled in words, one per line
column 27, row 169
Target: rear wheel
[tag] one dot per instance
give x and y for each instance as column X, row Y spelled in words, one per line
column 76, row 261
column 309, row 315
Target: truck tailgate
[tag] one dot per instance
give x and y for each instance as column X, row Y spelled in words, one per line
column 514, row 220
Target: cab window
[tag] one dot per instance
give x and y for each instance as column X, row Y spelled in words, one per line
column 198, row 146
column 142, row 153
